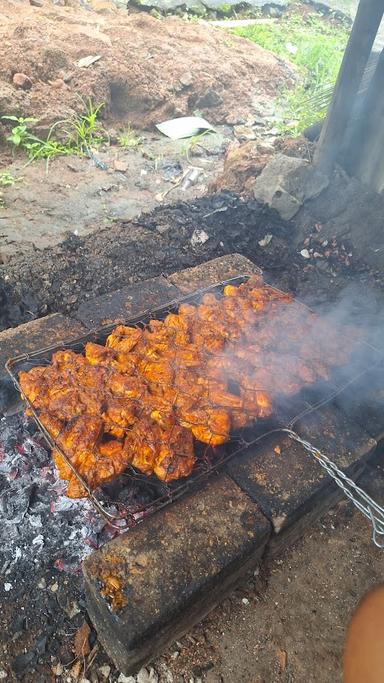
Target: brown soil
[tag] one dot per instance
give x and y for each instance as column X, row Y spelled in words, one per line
column 149, row 70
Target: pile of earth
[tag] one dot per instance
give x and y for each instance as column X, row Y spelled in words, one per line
column 148, row 69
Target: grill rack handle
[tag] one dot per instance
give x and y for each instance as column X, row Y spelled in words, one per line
column 360, row 499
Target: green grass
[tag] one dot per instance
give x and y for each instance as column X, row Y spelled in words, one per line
column 128, row 139
column 316, row 47
column 75, row 135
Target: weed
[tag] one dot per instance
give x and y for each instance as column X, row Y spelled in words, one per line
column 129, row 140
column 85, row 129
column 193, row 143
column 77, row 135
column 7, row 179
column 316, row 47
column 19, row 133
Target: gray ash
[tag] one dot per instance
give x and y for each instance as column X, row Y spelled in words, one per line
column 40, row 526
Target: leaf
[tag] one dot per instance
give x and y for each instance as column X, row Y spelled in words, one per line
column 10, row 118
column 81, row 642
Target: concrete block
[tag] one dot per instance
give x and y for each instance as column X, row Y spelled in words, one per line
column 212, row 272
column 127, row 302
column 146, row 588
column 287, row 482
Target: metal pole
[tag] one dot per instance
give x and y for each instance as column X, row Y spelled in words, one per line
column 365, row 27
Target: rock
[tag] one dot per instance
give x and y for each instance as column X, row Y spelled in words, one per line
column 57, row 669
column 242, row 164
column 36, row 3
column 24, row 661
column 120, row 165
column 71, row 608
column 22, row 81
column 199, row 237
column 3, row 674
column 126, row 679
column 186, row 79
column 57, row 83
column 286, row 183
column 202, row 7
column 54, row 587
column 145, row 676
column 105, row 670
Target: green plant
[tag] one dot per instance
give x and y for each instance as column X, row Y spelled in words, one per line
column 85, row 129
column 7, row 179
column 19, row 134
column 194, row 142
column 316, row 47
column 35, row 148
column 77, row 134
column 129, row 140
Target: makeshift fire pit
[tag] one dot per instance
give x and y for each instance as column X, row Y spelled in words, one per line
column 251, row 494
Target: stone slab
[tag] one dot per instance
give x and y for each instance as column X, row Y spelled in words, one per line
column 171, row 570
column 126, row 303
column 32, row 336
column 286, row 481
column 212, row 272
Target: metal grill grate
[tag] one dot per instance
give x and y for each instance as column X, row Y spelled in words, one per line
column 134, row 494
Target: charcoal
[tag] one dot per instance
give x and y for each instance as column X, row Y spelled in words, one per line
column 24, row 661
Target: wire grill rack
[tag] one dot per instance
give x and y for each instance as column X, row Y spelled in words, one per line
column 133, row 494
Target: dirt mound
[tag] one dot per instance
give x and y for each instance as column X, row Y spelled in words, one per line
column 149, row 69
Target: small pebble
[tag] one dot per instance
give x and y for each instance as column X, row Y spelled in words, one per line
column 175, row 655
column 3, row 674
column 105, row 670
column 42, row 583
column 126, row 679
column 245, row 601
column 305, row 253
column 54, row 587
column 7, row 587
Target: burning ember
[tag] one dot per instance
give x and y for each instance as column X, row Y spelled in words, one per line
column 202, row 373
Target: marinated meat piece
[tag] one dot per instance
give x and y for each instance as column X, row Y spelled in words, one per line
column 176, row 457
column 143, row 397
column 124, row 339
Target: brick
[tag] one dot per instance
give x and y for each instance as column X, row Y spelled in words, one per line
column 287, row 482
column 212, row 272
column 126, row 303
column 27, row 338
column 172, row 569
